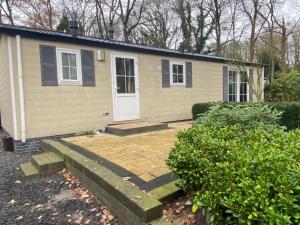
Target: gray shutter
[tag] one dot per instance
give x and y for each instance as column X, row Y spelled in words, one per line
column 88, row 68
column 165, row 71
column 48, row 65
column 225, row 84
column 250, row 82
column 189, row 74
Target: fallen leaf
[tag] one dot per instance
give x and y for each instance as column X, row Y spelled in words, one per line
column 88, row 221
column 110, row 217
column 12, row 202
column 94, row 210
column 40, row 217
column 126, row 178
column 19, row 217
column 188, row 203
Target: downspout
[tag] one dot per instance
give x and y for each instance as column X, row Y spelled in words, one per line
column 12, row 87
column 21, row 89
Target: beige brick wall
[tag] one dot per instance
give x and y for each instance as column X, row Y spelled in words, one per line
column 67, row 109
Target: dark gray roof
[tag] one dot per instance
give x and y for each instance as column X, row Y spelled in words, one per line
column 102, row 43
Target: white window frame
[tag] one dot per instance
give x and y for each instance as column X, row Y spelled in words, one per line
column 62, row 81
column 171, row 73
column 238, row 83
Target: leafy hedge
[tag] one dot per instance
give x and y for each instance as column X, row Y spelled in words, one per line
column 290, row 117
column 249, row 116
column 286, row 88
column 240, row 176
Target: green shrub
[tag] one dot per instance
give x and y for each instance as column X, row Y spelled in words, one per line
column 249, row 116
column 284, row 89
column 200, row 108
column 290, row 117
column 240, row 176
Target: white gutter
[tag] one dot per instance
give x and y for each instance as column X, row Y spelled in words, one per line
column 12, row 87
column 21, row 88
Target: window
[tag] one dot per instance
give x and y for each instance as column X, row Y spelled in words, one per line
column 232, row 86
column 125, row 75
column 177, row 73
column 243, row 87
column 237, row 86
column 69, row 66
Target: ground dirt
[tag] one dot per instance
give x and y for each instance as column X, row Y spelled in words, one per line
column 59, row 199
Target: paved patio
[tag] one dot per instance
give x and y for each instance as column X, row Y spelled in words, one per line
column 143, row 154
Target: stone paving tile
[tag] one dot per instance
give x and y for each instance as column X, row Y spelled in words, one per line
column 142, row 154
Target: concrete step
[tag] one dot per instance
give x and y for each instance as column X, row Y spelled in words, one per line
column 29, row 171
column 135, row 128
column 47, row 163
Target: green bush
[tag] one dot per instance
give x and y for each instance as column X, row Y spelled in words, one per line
column 249, row 116
column 290, row 117
column 240, row 176
column 284, row 89
column 199, row 108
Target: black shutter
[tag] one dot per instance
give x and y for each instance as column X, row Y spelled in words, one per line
column 48, row 65
column 225, row 84
column 88, row 68
column 250, row 84
column 189, row 75
column 165, row 71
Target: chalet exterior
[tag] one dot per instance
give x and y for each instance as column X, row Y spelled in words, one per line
column 54, row 84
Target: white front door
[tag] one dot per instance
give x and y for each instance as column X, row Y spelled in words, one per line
column 125, row 87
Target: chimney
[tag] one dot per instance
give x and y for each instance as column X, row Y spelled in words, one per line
column 111, row 32
column 73, row 26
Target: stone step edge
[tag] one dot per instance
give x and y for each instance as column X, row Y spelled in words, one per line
column 47, row 163
column 129, row 201
column 136, row 130
column 29, row 171
column 167, row 192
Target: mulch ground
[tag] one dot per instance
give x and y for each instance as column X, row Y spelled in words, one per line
column 180, row 210
column 58, row 199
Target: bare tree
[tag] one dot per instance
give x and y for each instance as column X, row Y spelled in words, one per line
column 217, row 8
column 253, row 9
column 158, row 25
column 285, row 32
column 106, row 15
column 130, row 16
column 6, row 6
column 39, row 13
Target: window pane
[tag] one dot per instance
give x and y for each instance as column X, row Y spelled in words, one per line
column 174, row 68
column 129, row 67
column 243, row 98
column 73, row 73
column 232, row 88
column 232, row 98
column 121, row 84
column 175, row 80
column 65, row 59
column 120, row 66
column 180, row 69
column 66, row 74
column 72, row 60
column 180, row 78
column 130, row 84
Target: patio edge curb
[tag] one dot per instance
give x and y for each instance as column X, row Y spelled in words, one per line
column 131, row 205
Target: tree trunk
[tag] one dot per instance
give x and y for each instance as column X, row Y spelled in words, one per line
column 283, row 47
